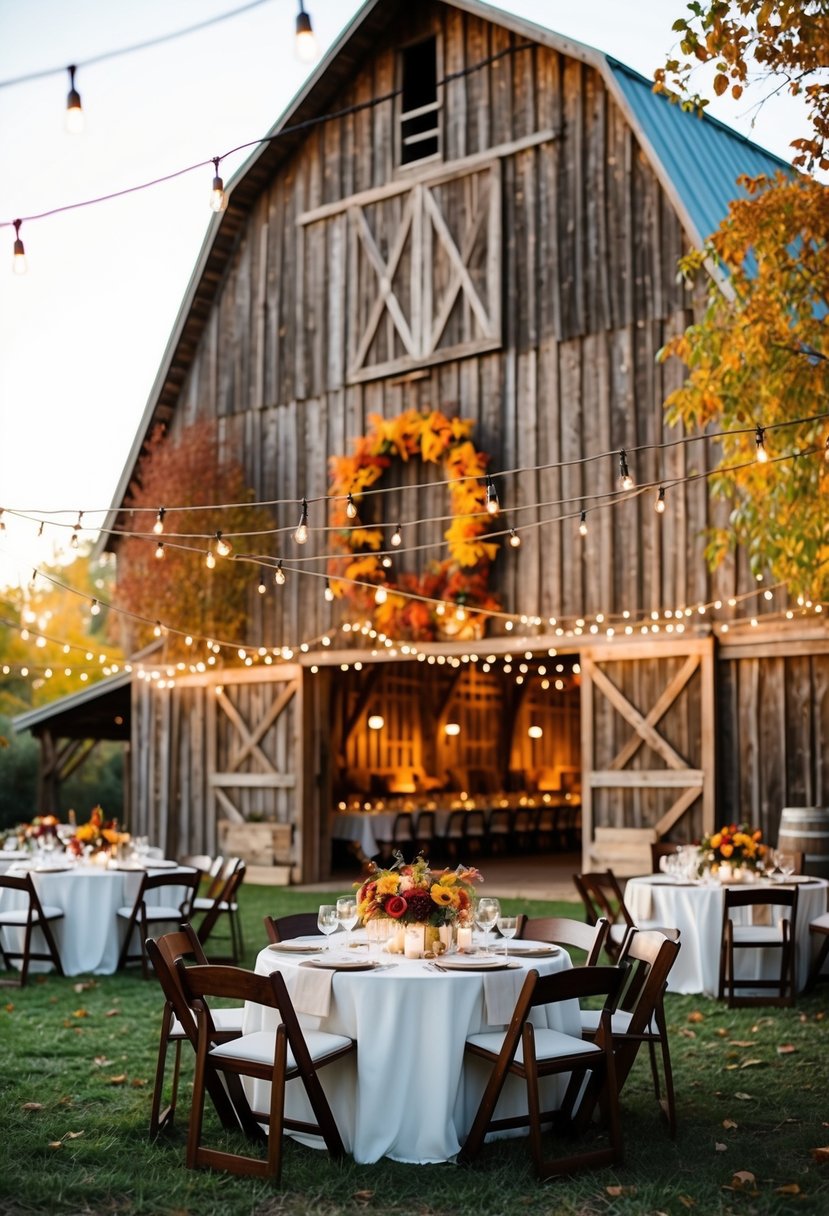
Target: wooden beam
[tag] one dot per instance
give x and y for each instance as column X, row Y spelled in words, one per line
column 252, row 781
column 632, row 715
column 658, row 710
column 677, row 810
column 644, row 778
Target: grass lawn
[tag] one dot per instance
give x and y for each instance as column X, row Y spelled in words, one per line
column 77, row 1059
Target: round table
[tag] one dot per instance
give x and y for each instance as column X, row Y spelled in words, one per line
column 408, row 1093
column 696, row 909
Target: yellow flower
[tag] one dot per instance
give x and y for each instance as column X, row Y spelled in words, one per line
column 727, row 850
column 388, row 884
column 716, row 840
column 87, row 831
column 443, row 896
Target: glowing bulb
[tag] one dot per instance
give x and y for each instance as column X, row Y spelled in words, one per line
column 95, row 608
column 210, row 560
column 625, row 479
column 826, row 450
column 157, row 630
column 659, row 505
column 492, row 504
column 19, row 253
column 376, row 722
column 218, row 194
column 380, row 595
column 583, row 524
column 396, row 537
column 279, row 575
column 760, row 444
column 159, row 550
column 74, row 114
column 329, row 594
column 262, row 587
column 301, row 534
column 223, row 547
column 351, row 507
column 452, row 728
column 535, row 732
column 158, row 526
column 305, row 43
column 514, row 539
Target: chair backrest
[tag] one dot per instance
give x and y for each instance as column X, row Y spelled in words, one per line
column 197, row 861
column 646, row 960
column 562, row 930
column 576, row 983
column 756, row 897
column 294, row 924
column 403, row 831
column 188, row 879
column 660, row 849
column 425, row 825
column 475, row 823
column 216, row 876
column 164, row 953
column 602, row 896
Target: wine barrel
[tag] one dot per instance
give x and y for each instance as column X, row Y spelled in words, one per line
column 805, row 829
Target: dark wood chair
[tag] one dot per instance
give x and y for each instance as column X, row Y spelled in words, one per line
column 425, row 832
column 474, row 833
column 26, row 920
column 530, row 1053
column 524, row 820
column 498, row 831
column 660, row 849
column 276, row 1056
column 401, row 836
column 145, row 913
column 639, row 1014
column 562, row 931
column 781, row 936
column 178, row 1024
column 819, row 938
column 294, row 924
column 602, row 896
column 224, row 906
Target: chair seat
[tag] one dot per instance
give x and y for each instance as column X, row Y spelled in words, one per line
column 549, row 1044
column 156, row 912
column 225, row 1020
column 758, row 935
column 258, row 1048
column 619, row 1022
column 203, row 904
column 820, row 924
column 50, row 912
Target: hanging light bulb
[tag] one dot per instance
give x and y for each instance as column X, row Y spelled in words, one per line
column 158, row 526
column 306, row 43
column 157, row 630
column 760, row 444
column 351, row 507
column 74, row 114
column 396, row 537
column 2, row 522
column 159, row 550
column 583, row 524
column 329, row 594
column 95, row 608
column 279, row 574
column 218, row 194
column 380, row 595
column 514, row 539
column 262, row 587
column 223, row 547
column 210, row 560
column 19, row 255
column 301, row 534
column 492, row 504
column 625, row 479
column 74, row 539
column 659, row 505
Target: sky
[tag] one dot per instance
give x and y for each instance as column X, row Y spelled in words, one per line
column 82, row 334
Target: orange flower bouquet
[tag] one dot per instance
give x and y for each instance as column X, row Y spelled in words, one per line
column 735, row 846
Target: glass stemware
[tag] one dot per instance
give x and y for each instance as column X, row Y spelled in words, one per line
column 785, row 863
column 487, row 912
column 327, row 922
column 347, row 915
column 507, row 927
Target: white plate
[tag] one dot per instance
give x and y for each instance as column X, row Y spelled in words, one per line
column 531, row 951
column 347, row 964
column 475, row 964
column 292, row 947
column 161, row 863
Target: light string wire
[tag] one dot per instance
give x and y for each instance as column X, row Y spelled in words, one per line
column 44, row 517
column 289, row 129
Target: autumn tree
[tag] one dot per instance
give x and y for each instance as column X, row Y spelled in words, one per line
column 757, row 357
column 183, row 476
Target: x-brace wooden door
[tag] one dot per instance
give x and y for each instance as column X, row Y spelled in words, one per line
column 648, row 739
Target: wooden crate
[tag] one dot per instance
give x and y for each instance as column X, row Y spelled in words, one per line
column 258, row 844
column 625, row 851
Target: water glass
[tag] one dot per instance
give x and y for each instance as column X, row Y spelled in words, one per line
column 347, row 915
column 507, row 927
column 327, row 922
column 487, row 911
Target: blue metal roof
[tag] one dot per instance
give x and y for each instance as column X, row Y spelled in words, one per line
column 701, row 156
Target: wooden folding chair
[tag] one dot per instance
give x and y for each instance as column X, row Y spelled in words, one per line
column 276, row 1056
column 294, row 924
column 35, row 915
column 639, row 1015
column 819, row 932
column 755, row 936
column 562, row 931
column 526, row 1051
column 660, row 849
column 602, row 896
column 145, row 913
column 178, row 1024
column 224, row 903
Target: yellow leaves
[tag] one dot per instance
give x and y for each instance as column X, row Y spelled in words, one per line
column 696, row 1016
column 790, row 1188
column 55, row 1144
column 616, row 1191
column 366, row 538
column 117, row 1080
column 729, row 1124
column 32, row 1106
column 720, row 83
column 785, row 1049
column 821, row 1155
column 363, row 569
column 432, row 446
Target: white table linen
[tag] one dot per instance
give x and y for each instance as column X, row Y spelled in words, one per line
column 409, row 1093
column 696, row 909
column 89, row 937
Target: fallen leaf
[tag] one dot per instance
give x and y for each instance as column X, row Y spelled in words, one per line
column 112, row 1013
column 820, row 1015
column 119, row 1080
column 741, row 1042
column 686, row 1033
column 743, row 1178
column 687, row 1201
column 55, row 1144
column 744, row 1097
column 722, row 1032
column 80, row 1013
column 32, row 1106
column 73, row 1135
column 101, row 1061
column 84, row 986
column 728, row 1123
column 10, row 1008
column 821, row 1155
column 137, row 1082
column 791, row 1188
column 363, row 1196
column 696, row 1016
column 719, row 1147
column 731, row 1067
column 786, row 1049
column 616, row 1191
column 750, row 1063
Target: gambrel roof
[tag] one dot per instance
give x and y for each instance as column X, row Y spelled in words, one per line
column 696, row 160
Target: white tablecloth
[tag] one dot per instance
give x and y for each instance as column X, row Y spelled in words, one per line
column 696, row 909
column 90, row 935
column 408, row 1094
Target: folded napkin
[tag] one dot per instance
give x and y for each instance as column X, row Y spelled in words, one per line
column 501, row 990
column 310, row 989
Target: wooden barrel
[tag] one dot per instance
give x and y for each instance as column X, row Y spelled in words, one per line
column 805, row 829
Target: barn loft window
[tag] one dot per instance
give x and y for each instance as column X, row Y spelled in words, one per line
column 419, row 106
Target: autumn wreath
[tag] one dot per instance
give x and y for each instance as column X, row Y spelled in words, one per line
column 462, row 578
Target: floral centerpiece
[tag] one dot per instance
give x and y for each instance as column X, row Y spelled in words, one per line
column 97, row 834
column 733, row 848
column 43, row 828
column 415, row 894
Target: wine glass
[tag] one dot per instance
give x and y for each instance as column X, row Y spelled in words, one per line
column 785, row 864
column 327, row 922
column 507, row 927
column 347, row 915
column 487, row 912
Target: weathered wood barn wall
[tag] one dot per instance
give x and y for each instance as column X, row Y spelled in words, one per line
column 522, row 275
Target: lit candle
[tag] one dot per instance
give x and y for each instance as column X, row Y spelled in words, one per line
column 413, row 941
column 464, row 937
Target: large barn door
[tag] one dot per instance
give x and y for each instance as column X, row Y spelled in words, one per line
column 647, row 749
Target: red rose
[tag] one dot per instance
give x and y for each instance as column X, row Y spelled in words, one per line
column 396, row 906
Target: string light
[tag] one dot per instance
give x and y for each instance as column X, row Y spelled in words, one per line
column 95, row 608
column 306, row 43
column 493, row 506
column 514, row 539
column 583, row 524
column 159, row 550
column 760, row 445
column 301, row 534
column 223, row 547
column 279, row 574
column 74, row 539
column 397, row 537
column 19, row 253
column 210, row 560
column 826, row 450
column 625, row 479
column 157, row 630
column 380, row 595
column 659, row 505
column 158, row 526
column 262, row 587
column 218, row 194
column 74, row 114
column 329, row 594
column 351, row 507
